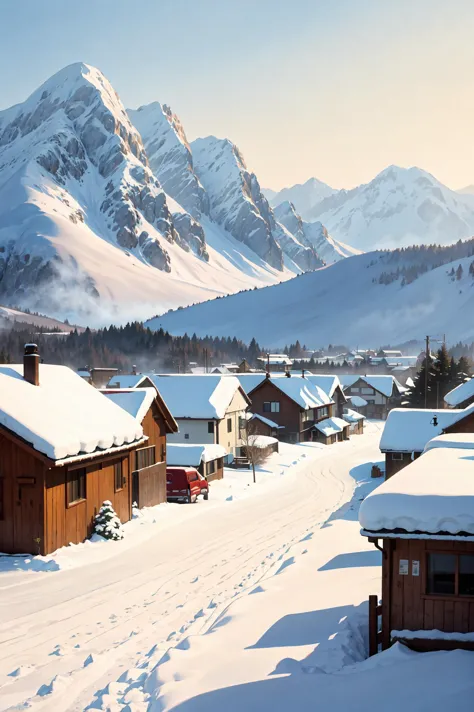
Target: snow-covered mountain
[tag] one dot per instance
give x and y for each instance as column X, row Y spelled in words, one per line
column 304, row 196
column 467, row 190
column 367, row 299
column 312, row 234
column 86, row 229
column 400, row 206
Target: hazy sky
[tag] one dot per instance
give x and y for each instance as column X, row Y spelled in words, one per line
column 338, row 89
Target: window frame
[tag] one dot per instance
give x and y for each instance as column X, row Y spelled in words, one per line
column 229, row 425
column 399, row 458
column 445, row 596
column 148, row 449
column 69, row 480
column 118, row 464
column 210, row 427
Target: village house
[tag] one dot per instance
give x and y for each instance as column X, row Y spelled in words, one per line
column 408, row 430
column 422, row 521
column 207, row 459
column 331, row 385
column 292, row 402
column 355, row 420
column 131, row 380
column 275, row 362
column 331, row 430
column 148, row 486
column 382, row 393
column 209, row 409
column 264, row 426
column 64, row 450
column 461, row 396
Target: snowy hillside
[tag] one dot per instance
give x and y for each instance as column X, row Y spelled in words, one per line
column 367, row 299
column 304, row 196
column 86, row 230
column 398, row 207
column 312, row 234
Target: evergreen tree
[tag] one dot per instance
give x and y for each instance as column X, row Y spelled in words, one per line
column 107, row 524
column 442, row 379
column 464, row 369
column 416, row 396
column 459, row 272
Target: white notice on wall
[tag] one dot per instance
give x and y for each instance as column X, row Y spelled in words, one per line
column 403, row 567
column 415, row 568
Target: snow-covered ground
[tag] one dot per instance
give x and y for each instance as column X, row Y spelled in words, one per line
column 254, row 600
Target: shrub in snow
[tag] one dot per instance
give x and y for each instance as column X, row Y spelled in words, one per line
column 107, row 523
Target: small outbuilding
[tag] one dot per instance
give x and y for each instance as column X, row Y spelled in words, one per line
column 331, row 430
column 355, row 420
column 207, row 459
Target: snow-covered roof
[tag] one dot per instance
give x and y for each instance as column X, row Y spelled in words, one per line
column 125, row 380
column 327, row 383
column 205, row 396
column 83, row 373
column 409, row 429
column 277, row 360
column 193, row 455
column 331, row 426
column 135, row 401
column 249, row 381
column 433, row 494
column 385, row 384
column 357, row 401
column 302, row 391
column 64, row 416
column 351, row 416
column 267, row 421
column 460, row 394
column 462, row 441
column 262, row 441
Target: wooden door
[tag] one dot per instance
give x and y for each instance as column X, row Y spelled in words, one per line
column 27, row 529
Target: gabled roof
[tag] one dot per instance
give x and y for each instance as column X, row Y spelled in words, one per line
column 64, row 417
column 327, row 383
column 192, row 455
column 331, row 426
column 352, row 416
column 461, row 393
column 457, row 440
column 384, row 384
column 432, row 495
column 357, row 401
column 267, row 421
column 249, row 381
column 302, row 391
column 409, row 429
column 137, row 402
column 198, row 397
column 129, row 380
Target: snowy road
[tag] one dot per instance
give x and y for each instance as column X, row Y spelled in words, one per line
column 86, row 637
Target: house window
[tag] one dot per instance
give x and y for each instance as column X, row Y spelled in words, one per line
column 355, row 390
column 118, row 475
column 308, row 414
column 323, row 412
column 76, row 485
column 211, row 467
column 271, row 407
column 397, row 455
column 145, row 457
column 368, row 391
column 229, row 425
column 210, row 427
column 450, row 574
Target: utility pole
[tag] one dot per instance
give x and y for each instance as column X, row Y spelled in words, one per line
column 427, row 359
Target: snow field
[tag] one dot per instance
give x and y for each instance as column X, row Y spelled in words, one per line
column 90, row 635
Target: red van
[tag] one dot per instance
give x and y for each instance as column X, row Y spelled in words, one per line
column 185, row 484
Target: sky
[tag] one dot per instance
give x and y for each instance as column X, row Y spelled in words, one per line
column 336, row 89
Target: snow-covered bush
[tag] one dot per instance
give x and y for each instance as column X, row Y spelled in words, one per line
column 107, row 523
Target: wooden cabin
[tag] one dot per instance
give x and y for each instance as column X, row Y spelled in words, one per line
column 149, row 462
column 422, row 520
column 264, row 426
column 408, row 430
column 207, row 459
column 64, row 450
column 331, row 430
column 293, row 402
column 355, row 420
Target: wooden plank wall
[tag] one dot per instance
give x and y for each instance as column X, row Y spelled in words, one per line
column 152, row 485
column 73, row 524
column 22, row 521
column 410, row 608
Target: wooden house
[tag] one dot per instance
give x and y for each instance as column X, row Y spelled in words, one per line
column 422, row 520
column 292, row 402
column 331, row 430
column 332, row 386
column 265, row 426
column 149, row 462
column 207, row 459
column 462, row 396
column 408, row 430
column 64, row 450
column 381, row 392
column 209, row 409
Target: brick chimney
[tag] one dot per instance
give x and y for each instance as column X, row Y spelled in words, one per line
column 31, row 364
column 134, row 370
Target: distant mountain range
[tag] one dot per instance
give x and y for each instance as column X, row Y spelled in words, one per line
column 367, row 300
column 399, row 207
column 106, row 215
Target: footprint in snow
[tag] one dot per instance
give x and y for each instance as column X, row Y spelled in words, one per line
column 195, row 580
column 258, row 589
column 199, row 614
column 307, row 537
column 285, row 564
